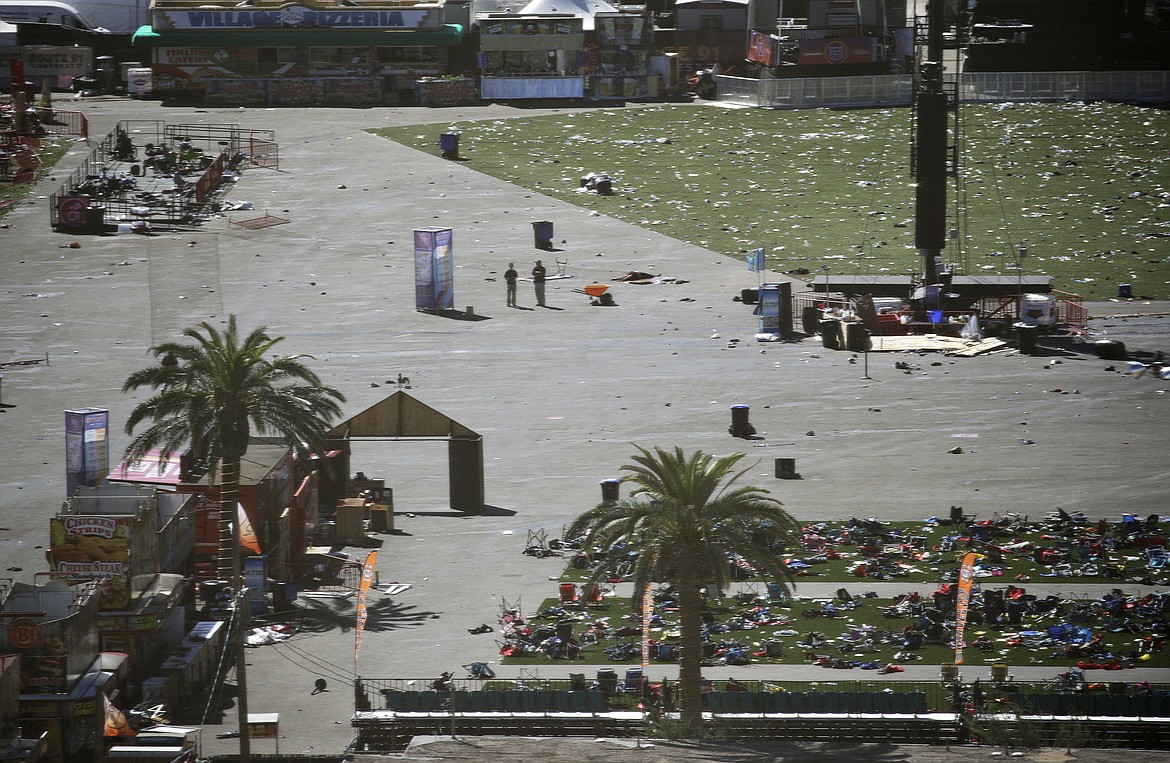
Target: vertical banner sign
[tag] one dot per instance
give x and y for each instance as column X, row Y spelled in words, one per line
column 363, row 589
column 434, row 271
column 255, row 572
column 769, row 309
column 755, row 260
column 87, row 448
column 647, row 613
column 963, row 602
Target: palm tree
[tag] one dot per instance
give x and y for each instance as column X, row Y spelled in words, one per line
column 212, row 395
column 682, row 525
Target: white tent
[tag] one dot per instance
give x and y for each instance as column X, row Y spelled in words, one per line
column 583, row 9
column 7, row 34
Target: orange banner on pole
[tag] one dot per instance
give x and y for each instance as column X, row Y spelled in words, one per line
column 116, row 724
column 363, row 589
column 246, row 534
column 963, row 602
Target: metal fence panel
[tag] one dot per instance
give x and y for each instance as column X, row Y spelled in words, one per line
column 975, row 87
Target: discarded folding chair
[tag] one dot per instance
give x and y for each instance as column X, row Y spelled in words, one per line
column 591, row 593
column 632, row 683
column 569, row 597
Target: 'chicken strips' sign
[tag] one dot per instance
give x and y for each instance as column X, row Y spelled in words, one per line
column 87, row 547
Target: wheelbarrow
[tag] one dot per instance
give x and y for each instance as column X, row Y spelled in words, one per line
column 598, row 294
column 594, row 290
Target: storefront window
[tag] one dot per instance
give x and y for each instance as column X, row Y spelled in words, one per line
column 530, row 62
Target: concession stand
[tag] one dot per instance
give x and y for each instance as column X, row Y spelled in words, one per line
column 306, row 52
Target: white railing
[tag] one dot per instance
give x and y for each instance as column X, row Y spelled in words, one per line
column 896, row 89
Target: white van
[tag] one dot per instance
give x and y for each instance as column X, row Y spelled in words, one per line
column 45, row 12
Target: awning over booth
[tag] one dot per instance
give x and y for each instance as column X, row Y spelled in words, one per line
column 447, row 36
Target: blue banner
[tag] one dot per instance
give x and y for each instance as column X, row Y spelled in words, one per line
column 434, row 271
column 755, row 260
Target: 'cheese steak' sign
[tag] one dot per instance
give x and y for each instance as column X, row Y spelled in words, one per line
column 295, row 17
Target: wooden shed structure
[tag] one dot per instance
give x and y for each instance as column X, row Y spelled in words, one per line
column 402, row 417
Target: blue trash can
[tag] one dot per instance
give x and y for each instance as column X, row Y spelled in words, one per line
column 542, row 233
column 449, row 143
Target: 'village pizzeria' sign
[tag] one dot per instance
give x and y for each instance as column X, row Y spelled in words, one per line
column 295, row 17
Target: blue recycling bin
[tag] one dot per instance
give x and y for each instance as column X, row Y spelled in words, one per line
column 542, row 233
column 449, row 143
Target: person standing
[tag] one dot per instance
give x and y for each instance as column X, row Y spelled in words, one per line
column 510, row 276
column 538, row 273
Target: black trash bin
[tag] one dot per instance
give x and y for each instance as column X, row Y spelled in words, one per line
column 84, row 84
column 95, row 218
column 1109, row 349
column 1026, row 338
column 830, row 333
column 609, row 490
column 1124, row 291
column 856, row 337
column 107, row 75
column 542, row 233
column 786, row 469
column 740, row 426
column 810, row 318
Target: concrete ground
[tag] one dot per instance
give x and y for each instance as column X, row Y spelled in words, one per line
column 559, row 394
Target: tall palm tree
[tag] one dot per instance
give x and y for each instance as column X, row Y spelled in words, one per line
column 684, row 516
column 213, row 394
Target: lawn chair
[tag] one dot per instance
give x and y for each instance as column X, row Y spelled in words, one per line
column 632, row 683
column 1156, row 557
column 569, row 597
column 511, row 613
column 591, row 593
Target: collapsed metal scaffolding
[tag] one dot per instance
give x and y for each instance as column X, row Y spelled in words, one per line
column 149, row 172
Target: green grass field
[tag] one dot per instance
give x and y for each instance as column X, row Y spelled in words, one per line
column 915, row 553
column 1087, row 186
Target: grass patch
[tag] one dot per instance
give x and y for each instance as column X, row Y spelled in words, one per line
column 1008, row 645
column 915, row 553
column 830, row 191
column 50, row 151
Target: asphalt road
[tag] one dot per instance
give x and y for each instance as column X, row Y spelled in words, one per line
column 559, row 394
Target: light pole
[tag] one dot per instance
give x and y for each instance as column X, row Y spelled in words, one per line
column 1021, row 253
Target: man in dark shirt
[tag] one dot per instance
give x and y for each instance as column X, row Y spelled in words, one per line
column 538, row 281
column 510, row 276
